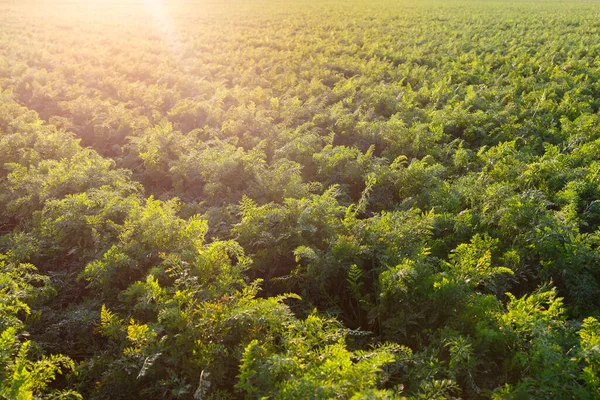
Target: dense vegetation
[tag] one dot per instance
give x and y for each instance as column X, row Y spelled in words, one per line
column 295, row 199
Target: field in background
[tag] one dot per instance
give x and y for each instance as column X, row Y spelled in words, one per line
column 297, row 199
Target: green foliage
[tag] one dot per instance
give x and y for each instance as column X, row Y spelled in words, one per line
column 313, row 362
column 589, row 335
column 536, row 329
column 20, row 377
column 278, row 200
column 28, row 188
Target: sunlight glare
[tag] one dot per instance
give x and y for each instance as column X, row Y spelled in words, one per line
column 153, row 3
column 163, row 22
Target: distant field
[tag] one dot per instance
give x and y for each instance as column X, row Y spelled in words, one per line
column 300, row 199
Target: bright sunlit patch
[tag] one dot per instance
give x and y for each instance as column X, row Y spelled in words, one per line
column 163, row 23
column 156, row 8
column 152, row 2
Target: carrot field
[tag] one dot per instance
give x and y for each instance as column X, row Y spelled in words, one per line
column 294, row 199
